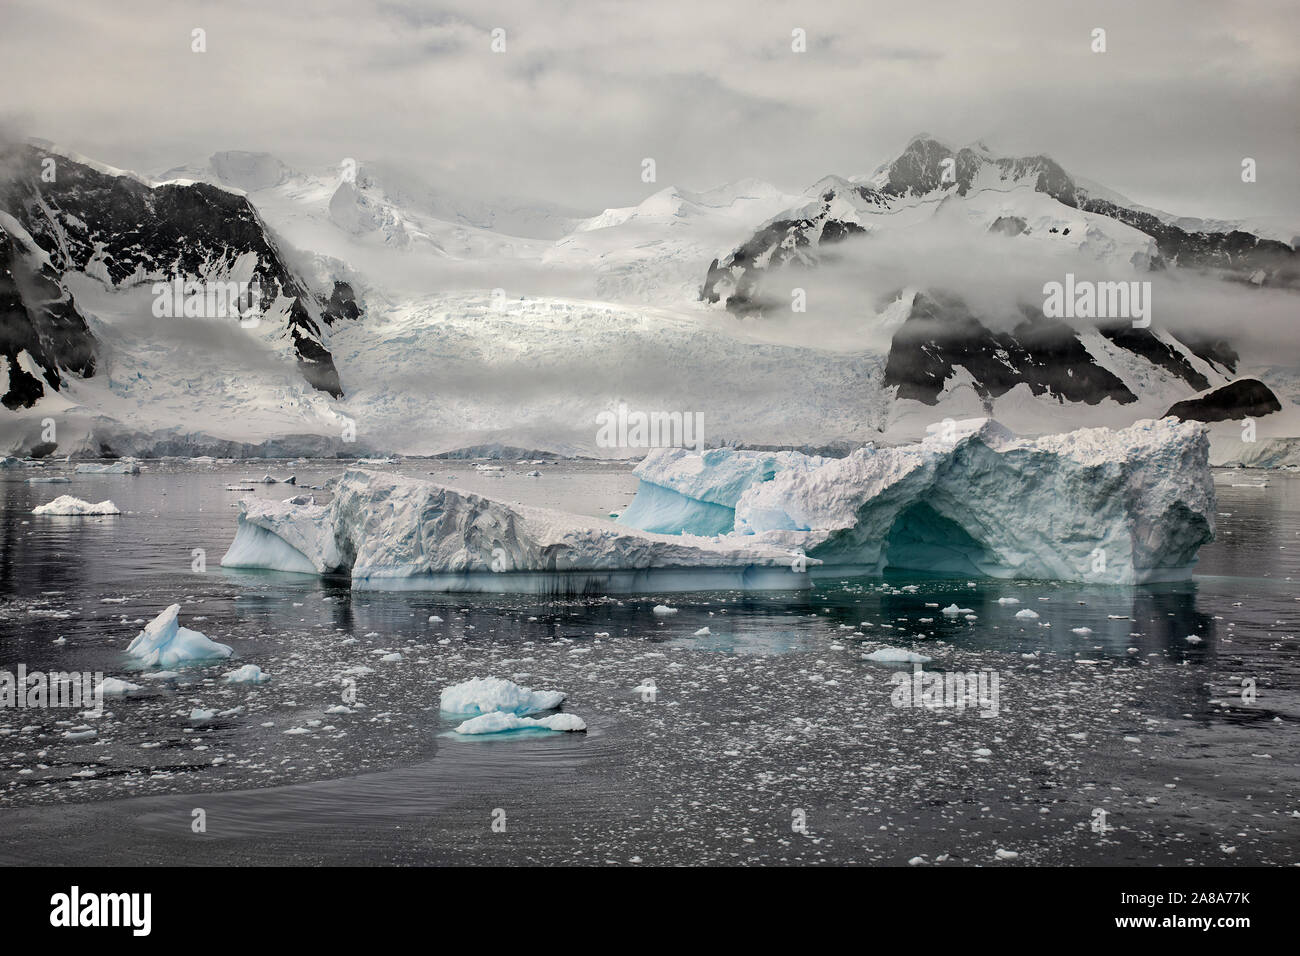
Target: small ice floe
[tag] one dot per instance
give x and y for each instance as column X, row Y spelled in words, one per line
column 248, row 674
column 1002, row 854
column 496, row 723
column 703, row 632
column 200, row 715
column 127, row 466
column 434, row 619
column 301, row 500
column 485, row 695
column 1192, row 639
column 1081, row 631
column 392, row 658
column 68, row 505
column 270, row 480
column 48, row 480
column 533, row 474
column 112, row 687
column 80, row 733
column 1027, row 615
column 663, row 610
column 896, row 655
column 240, row 488
column 1008, row 600
column 164, row 643
column 952, row 610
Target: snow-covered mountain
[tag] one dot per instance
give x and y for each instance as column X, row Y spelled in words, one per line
column 429, row 320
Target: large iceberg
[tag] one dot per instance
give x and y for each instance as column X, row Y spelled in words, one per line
column 390, row 531
column 164, row 643
column 1095, row 505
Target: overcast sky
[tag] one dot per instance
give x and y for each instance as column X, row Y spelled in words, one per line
column 711, row 90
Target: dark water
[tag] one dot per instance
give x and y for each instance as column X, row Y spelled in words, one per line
column 1189, row 749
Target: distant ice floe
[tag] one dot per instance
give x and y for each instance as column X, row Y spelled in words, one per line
column 896, row 655
column 48, row 480
column 68, row 505
column 1115, row 507
column 486, row 695
column 164, row 643
column 127, row 466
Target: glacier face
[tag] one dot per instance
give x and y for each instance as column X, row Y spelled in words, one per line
column 392, row 532
column 1095, row 505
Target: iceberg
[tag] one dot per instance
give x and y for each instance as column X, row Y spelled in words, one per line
column 486, row 695
column 127, row 466
column 164, row 643
column 248, row 674
column 497, row 723
column 68, row 505
column 391, row 531
column 1097, row 505
column 1102, row 506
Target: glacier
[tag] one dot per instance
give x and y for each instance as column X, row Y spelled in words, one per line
column 1103, row 506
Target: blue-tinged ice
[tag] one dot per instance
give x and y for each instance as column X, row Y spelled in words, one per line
column 164, row 643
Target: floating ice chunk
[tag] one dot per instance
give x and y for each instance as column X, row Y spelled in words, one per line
column 68, row 505
column 113, row 687
column 1002, row 854
column 896, row 655
column 127, row 466
column 1081, row 631
column 200, row 714
column 164, row 643
column 703, row 632
column 496, row 723
column 1008, row 600
column 1192, row 639
column 392, row 658
column 1027, row 615
column 663, row 610
column 484, row 695
column 434, row 619
column 952, row 610
column 248, row 674
column 48, row 480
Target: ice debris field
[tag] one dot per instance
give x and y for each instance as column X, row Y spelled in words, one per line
column 1097, row 505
